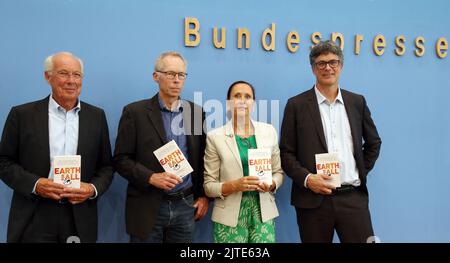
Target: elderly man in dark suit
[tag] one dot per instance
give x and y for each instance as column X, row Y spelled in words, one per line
column 36, row 132
column 328, row 119
column 160, row 206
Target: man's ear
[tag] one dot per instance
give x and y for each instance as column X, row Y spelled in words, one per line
column 47, row 76
column 156, row 77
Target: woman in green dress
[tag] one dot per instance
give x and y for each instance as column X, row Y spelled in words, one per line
column 244, row 206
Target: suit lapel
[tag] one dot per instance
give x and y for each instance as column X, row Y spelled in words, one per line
column 231, row 142
column 83, row 129
column 315, row 115
column 261, row 135
column 352, row 119
column 41, row 128
column 154, row 114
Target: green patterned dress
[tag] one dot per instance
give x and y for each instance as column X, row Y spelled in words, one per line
column 250, row 228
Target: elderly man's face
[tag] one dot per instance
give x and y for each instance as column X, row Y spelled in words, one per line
column 170, row 87
column 66, row 80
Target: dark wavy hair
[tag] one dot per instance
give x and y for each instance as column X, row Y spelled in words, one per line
column 240, row 82
column 323, row 48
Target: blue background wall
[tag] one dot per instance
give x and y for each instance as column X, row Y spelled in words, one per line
column 120, row 40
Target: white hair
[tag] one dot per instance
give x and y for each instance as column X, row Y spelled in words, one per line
column 48, row 63
column 159, row 64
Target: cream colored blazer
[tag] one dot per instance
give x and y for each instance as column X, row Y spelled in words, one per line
column 223, row 163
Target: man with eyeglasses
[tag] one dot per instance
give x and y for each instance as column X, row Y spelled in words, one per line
column 34, row 134
column 328, row 119
column 160, row 206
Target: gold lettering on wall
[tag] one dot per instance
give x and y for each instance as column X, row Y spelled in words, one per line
column 379, row 43
column 316, row 37
column 292, row 41
column 400, row 43
column 269, row 32
column 241, row 32
column 358, row 40
column 188, row 32
column 441, row 47
column 192, row 38
column 222, row 42
column 420, row 47
column 338, row 38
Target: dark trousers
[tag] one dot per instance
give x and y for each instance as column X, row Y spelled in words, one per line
column 347, row 213
column 52, row 222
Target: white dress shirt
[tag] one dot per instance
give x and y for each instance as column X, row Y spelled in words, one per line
column 338, row 136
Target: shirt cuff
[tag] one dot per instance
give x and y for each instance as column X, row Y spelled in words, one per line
column 34, row 188
column 306, row 179
column 96, row 193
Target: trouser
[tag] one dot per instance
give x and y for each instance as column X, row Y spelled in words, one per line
column 347, row 213
column 52, row 222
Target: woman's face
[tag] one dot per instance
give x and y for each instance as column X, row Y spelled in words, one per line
column 241, row 99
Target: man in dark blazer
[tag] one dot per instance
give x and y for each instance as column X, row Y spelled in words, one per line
column 329, row 119
column 36, row 132
column 160, row 206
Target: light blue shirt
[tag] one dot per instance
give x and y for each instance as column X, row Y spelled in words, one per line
column 338, row 136
column 63, row 133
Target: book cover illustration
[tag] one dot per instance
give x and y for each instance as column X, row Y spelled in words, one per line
column 328, row 163
column 67, row 170
column 260, row 164
column 173, row 160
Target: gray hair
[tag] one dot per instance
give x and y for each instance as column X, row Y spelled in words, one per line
column 323, row 48
column 159, row 64
column 48, row 63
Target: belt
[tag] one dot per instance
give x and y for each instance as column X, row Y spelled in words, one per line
column 63, row 201
column 179, row 195
column 345, row 189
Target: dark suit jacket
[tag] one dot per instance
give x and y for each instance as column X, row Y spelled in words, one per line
column 302, row 136
column 25, row 157
column 141, row 131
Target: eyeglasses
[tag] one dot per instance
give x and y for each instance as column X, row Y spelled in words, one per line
column 172, row 75
column 66, row 75
column 323, row 64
